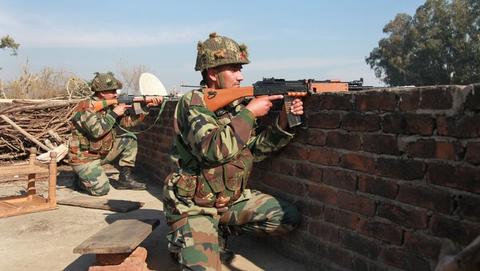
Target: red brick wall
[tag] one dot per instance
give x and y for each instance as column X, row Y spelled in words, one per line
column 380, row 177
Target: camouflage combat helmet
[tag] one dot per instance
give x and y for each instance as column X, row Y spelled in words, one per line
column 105, row 81
column 219, row 50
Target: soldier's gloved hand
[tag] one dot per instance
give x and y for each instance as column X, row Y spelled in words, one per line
column 120, row 109
column 260, row 106
column 155, row 101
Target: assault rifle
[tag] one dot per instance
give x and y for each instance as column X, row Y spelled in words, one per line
column 150, row 87
column 218, row 98
column 136, row 103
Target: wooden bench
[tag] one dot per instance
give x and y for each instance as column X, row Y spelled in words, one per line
column 114, row 243
column 30, row 202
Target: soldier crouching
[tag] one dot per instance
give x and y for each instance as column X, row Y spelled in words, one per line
column 99, row 137
column 207, row 195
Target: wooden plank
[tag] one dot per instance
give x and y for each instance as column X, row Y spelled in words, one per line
column 115, row 205
column 22, row 170
column 122, row 236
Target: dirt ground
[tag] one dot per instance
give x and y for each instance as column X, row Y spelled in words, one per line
column 45, row 240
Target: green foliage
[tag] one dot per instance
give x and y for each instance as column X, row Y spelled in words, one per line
column 9, row 42
column 440, row 44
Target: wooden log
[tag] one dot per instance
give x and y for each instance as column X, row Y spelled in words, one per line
column 55, row 136
column 25, row 133
column 40, row 106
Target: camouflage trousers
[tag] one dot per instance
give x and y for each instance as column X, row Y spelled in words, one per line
column 195, row 239
column 91, row 174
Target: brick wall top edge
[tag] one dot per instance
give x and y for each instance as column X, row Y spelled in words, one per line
column 400, row 89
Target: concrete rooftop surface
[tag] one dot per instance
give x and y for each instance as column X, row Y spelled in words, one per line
column 45, row 240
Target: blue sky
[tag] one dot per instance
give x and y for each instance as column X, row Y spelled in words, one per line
column 286, row 39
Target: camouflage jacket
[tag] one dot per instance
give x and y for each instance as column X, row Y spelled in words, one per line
column 93, row 133
column 215, row 153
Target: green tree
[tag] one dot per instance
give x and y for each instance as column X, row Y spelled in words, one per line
column 440, row 44
column 9, row 42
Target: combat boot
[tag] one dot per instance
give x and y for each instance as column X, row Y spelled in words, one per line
column 226, row 255
column 127, row 181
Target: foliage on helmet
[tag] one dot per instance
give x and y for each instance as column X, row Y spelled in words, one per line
column 220, row 50
column 105, row 81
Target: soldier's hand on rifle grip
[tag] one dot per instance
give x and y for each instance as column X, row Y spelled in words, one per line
column 296, row 108
column 155, row 101
column 120, row 109
column 260, row 105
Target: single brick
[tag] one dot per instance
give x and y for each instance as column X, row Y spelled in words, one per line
column 430, row 148
column 425, row 196
column 283, row 183
column 342, row 218
column 380, row 143
column 358, row 162
column 459, row 177
column 322, row 194
column 472, row 102
column 394, row 123
column 324, row 156
column 405, row 169
column 354, row 121
column 376, row 101
column 296, row 151
column 473, row 153
column 329, row 101
column 342, row 140
column 309, row 171
column 356, row 203
column 421, row 124
column 377, row 186
column 409, row 100
column 324, row 120
column 465, row 126
column 316, row 137
column 404, row 216
column 469, row 206
column 436, row 99
column 340, row 179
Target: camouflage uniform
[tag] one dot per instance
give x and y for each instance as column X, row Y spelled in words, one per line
column 98, row 139
column 215, row 154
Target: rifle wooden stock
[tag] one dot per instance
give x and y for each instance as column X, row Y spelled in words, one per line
column 218, row 98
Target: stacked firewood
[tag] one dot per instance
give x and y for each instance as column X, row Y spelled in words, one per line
column 43, row 124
